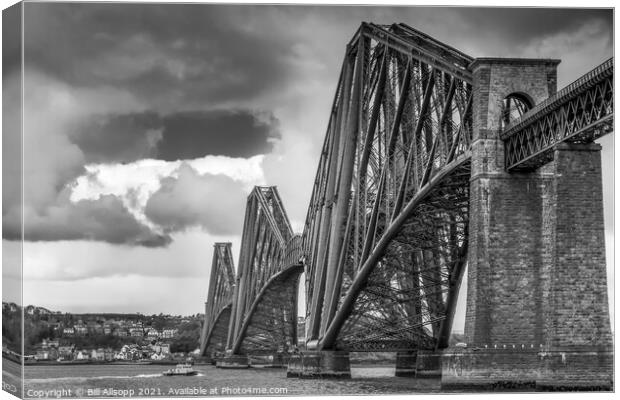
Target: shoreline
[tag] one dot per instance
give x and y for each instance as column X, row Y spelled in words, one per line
column 67, row 363
column 88, row 362
column 61, row 363
column 358, row 362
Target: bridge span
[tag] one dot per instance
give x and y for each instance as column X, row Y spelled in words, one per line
column 434, row 161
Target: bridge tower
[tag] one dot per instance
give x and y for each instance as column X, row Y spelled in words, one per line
column 263, row 310
column 537, row 308
column 219, row 302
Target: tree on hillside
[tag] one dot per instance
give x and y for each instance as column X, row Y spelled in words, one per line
column 188, row 337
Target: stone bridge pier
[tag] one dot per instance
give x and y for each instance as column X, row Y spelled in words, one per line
column 537, row 308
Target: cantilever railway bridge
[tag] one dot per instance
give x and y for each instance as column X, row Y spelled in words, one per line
column 432, row 160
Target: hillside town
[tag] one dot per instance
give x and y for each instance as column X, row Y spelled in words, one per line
column 62, row 337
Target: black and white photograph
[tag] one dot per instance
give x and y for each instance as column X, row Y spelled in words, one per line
column 278, row 200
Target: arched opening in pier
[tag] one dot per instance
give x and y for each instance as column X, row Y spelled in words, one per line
column 513, row 107
column 301, row 311
column 458, row 326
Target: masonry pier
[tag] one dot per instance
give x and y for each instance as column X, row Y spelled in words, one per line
column 406, row 364
column 537, row 309
column 319, row 364
column 233, row 361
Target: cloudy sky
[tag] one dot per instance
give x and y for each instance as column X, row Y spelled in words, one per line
column 148, row 125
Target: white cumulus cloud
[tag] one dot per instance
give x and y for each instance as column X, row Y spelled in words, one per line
column 134, row 183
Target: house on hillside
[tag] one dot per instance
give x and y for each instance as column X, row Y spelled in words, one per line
column 43, row 311
column 97, row 354
column 108, row 354
column 80, row 329
column 169, row 333
column 121, row 332
column 152, row 333
column 94, row 328
column 136, row 332
column 48, row 343
column 66, row 352
column 42, row 355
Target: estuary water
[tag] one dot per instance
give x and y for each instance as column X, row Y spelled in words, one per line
column 109, row 380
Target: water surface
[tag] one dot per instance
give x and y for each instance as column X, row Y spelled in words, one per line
column 111, row 380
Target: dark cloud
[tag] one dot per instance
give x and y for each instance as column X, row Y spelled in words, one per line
column 11, row 39
column 177, row 136
column 12, row 170
column 105, row 219
column 189, row 135
column 524, row 24
column 214, row 202
column 51, row 162
column 159, row 52
column 180, row 56
column 119, row 137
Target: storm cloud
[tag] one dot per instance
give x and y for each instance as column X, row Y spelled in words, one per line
column 11, row 39
column 105, row 219
column 119, row 137
column 214, row 202
column 172, row 55
column 177, row 136
column 165, row 54
column 234, row 133
column 52, row 161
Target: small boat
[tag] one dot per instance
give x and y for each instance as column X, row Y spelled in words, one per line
column 181, row 369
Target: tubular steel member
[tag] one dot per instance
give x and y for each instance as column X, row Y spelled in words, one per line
column 386, row 230
column 315, row 292
column 219, row 301
column 215, row 339
column 271, row 325
column 264, row 309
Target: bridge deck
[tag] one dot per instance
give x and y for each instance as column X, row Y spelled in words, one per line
column 580, row 113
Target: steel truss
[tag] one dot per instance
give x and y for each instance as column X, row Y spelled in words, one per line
column 580, row 113
column 385, row 239
column 271, row 323
column 268, row 248
column 219, row 301
column 386, row 231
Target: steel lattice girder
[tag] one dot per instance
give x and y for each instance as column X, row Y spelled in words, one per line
column 410, row 295
column 271, row 323
column 580, row 113
column 219, row 295
column 214, row 342
column 400, row 126
column 268, row 247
